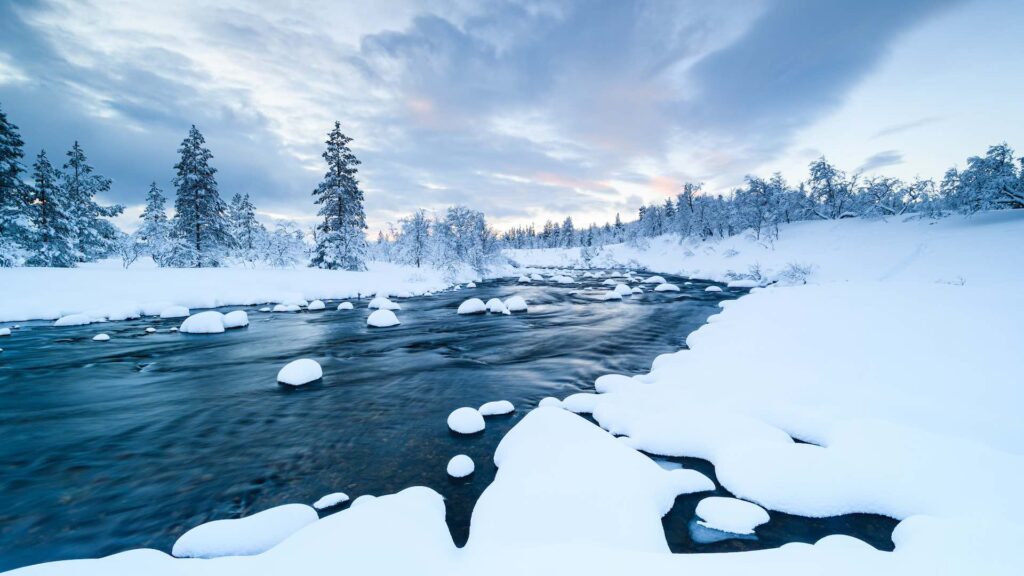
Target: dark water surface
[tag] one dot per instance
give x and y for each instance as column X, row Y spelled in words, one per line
column 128, row 443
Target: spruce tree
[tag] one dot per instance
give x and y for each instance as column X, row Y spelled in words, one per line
column 95, row 236
column 341, row 242
column 200, row 229
column 53, row 236
column 246, row 230
column 155, row 231
column 14, row 232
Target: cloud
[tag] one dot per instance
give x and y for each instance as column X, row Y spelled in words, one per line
column 906, row 126
column 881, row 159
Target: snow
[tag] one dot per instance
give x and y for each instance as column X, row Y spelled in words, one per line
column 345, row 306
column 209, row 322
column 536, row 277
column 496, row 306
column 524, row 280
column 742, row 284
column 655, row 280
column 472, row 306
column 331, row 500
column 382, row 319
column 497, row 408
column 244, row 536
column 97, row 338
column 562, row 279
column 383, row 303
column 610, row 282
column 150, row 330
column 76, row 320
column 236, row 319
column 516, row 304
column 175, row 312
column 623, row 290
column 730, row 515
column 466, row 420
column 611, row 295
column 666, row 287
column 637, row 290
column 550, row 401
column 713, row 289
column 286, row 308
column 299, row 372
column 471, row 285
column 460, row 466
column 5, row 331
column 265, row 309
column 316, row 305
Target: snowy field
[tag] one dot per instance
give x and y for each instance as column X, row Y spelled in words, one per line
column 896, row 365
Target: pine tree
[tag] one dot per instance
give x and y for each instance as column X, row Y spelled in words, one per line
column 341, row 242
column 95, row 236
column 246, row 230
column 200, row 228
column 14, row 232
column 53, row 236
column 155, row 232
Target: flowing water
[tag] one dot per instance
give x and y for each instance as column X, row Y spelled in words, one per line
column 123, row 444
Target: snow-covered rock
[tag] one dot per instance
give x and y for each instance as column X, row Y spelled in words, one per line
column 516, row 304
column 637, row 290
column 97, row 338
column 524, row 280
column 5, row 331
column 331, row 500
column 76, row 320
column 299, row 372
column 316, row 305
column 383, row 303
column 460, row 466
column 611, row 295
column 562, row 279
column 730, row 515
column 497, row 408
column 175, row 312
column 244, row 536
column 382, row 319
column 265, row 309
column 623, row 290
column 496, row 306
column 536, row 277
column 472, row 306
column 346, row 306
column 550, row 401
column 713, row 289
column 208, row 322
column 666, row 287
column 654, row 280
column 150, row 330
column 286, row 308
column 610, row 282
column 470, row 284
column 236, row 319
column 466, row 420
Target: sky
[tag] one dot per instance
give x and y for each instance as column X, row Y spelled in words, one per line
column 525, row 110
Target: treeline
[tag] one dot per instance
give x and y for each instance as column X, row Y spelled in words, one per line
column 990, row 182
column 459, row 238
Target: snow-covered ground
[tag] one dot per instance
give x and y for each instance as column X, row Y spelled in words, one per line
column 899, row 361
column 104, row 289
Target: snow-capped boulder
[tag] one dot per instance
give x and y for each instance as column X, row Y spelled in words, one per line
column 666, row 287
column 244, row 536
column 209, row 322
column 713, row 289
column 5, row 331
column 382, row 319
column 536, row 277
column 175, row 312
column 76, row 320
column 345, row 306
column 524, row 280
column 286, row 308
column 299, row 372
column 611, row 295
column 97, row 338
column 623, row 290
column 730, row 515
column 496, row 306
column 383, row 303
column 516, row 304
column 265, row 309
column 610, row 282
column 331, row 500
column 150, row 330
column 563, row 280
column 236, row 319
column 550, row 401
column 466, row 420
column 470, row 284
column 472, row 306
column 460, row 466
column 637, row 290
column 654, row 280
column 316, row 305
column 497, row 408
column 123, row 312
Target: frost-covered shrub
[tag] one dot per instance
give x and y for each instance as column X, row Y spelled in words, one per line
column 796, row 273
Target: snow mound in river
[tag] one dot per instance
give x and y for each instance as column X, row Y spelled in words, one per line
column 460, row 466
column 345, row 306
column 382, row 319
column 497, row 408
column 730, row 515
column 713, row 289
column 174, row 312
column 655, row 280
column 331, row 500
column 209, row 322
column 97, row 338
column 496, row 306
column 516, row 304
column 299, row 372
column 666, row 287
column 244, row 536
column 466, row 420
column 472, row 306
column 383, row 303
column 236, row 319
column 316, row 305
column 76, row 320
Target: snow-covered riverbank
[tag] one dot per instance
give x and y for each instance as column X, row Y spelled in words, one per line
column 898, row 367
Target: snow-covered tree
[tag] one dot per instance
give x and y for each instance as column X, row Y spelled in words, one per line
column 95, row 236
column 568, row 233
column 246, row 230
column 831, row 193
column 52, row 233
column 285, row 246
column 340, row 238
column 14, row 230
column 200, row 228
column 154, row 234
column 463, row 238
column 990, row 182
column 414, row 239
